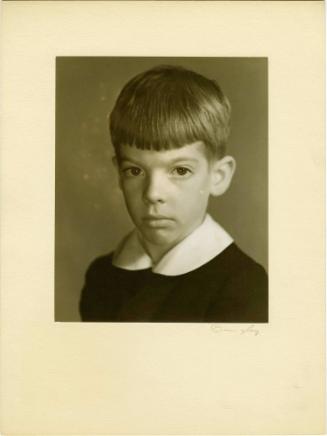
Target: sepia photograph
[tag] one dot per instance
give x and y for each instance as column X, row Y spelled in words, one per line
column 161, row 189
column 162, row 218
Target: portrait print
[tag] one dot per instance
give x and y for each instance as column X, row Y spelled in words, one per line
column 161, row 189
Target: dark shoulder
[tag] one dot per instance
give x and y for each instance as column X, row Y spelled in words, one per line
column 243, row 268
column 94, row 289
column 101, row 261
column 243, row 287
column 99, row 266
column 233, row 261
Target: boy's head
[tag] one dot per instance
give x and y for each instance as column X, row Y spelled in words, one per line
column 168, row 107
column 169, row 128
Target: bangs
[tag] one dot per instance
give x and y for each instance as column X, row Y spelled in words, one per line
column 160, row 113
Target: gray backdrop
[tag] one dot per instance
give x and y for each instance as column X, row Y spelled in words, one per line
column 90, row 214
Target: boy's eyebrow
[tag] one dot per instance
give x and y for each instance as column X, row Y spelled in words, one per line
column 123, row 158
column 184, row 159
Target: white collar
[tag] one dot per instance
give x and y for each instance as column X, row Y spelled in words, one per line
column 203, row 244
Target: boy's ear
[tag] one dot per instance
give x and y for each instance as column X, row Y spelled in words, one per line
column 222, row 172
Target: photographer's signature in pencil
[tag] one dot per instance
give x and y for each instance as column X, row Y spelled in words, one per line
column 248, row 330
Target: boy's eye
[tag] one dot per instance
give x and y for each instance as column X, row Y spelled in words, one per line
column 181, row 171
column 132, row 171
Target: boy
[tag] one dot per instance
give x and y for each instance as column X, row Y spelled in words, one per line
column 169, row 129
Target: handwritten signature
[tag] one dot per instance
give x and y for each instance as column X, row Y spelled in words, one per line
column 216, row 328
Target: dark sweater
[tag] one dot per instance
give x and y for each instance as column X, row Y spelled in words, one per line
column 229, row 288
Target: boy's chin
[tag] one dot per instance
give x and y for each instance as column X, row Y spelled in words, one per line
column 161, row 237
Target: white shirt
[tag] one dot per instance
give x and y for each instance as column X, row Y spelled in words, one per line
column 203, row 244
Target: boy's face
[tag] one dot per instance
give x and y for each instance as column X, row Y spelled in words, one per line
column 166, row 192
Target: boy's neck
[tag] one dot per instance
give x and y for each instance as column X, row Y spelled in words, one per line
column 156, row 252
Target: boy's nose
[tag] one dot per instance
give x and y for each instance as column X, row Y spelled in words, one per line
column 154, row 190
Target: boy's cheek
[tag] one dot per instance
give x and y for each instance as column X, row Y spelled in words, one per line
column 127, row 185
column 131, row 196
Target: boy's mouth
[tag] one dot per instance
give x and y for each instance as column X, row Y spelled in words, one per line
column 156, row 221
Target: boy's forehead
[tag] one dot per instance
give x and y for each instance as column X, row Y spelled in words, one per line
column 194, row 151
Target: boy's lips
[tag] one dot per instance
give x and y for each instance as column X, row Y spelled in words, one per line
column 157, row 220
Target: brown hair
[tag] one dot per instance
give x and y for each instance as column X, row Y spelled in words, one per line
column 169, row 107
